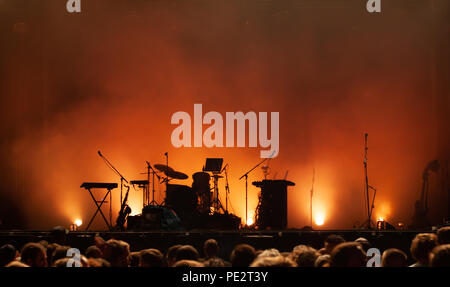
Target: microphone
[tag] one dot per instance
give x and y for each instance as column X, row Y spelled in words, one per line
column 165, row 153
column 148, row 164
column 99, row 153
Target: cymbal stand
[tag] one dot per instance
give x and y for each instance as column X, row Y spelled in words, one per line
column 149, row 167
column 216, row 204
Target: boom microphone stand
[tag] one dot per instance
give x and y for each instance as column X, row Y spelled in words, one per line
column 246, row 186
column 122, row 179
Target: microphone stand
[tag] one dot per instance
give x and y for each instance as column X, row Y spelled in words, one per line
column 311, row 199
column 368, row 188
column 246, row 186
column 227, row 188
column 122, row 179
column 166, row 179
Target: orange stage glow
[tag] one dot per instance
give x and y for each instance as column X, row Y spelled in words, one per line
column 114, row 87
column 319, row 219
column 383, row 211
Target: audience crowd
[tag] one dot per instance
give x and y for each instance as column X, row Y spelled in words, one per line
column 427, row 250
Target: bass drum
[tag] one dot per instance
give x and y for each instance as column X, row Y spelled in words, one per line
column 202, row 189
column 183, row 201
column 179, row 196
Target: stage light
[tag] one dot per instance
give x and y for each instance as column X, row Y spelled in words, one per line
column 381, row 225
column 319, row 219
column 249, row 222
column 74, row 226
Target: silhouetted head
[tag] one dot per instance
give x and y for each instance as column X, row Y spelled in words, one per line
column 304, row 256
column 60, row 252
column 59, row 235
column 171, row 254
column 117, row 253
column 211, row 248
column 187, row 252
column 323, row 261
column 273, row 261
column 34, row 255
column 93, row 252
column 188, row 263
column 348, row 254
column 7, row 254
column 443, row 235
column 394, row 258
column 151, row 258
column 135, row 259
column 364, row 243
column 332, row 241
column 421, row 247
column 242, row 255
column 440, row 256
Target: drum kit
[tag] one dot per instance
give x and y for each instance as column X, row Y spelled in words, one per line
column 188, row 202
column 195, row 206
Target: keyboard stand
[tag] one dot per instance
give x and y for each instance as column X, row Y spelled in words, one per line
column 99, row 204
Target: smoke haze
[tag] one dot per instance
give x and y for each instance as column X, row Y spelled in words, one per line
column 111, row 77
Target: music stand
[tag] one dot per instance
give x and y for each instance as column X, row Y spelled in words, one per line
column 213, row 165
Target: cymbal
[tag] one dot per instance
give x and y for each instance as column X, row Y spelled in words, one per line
column 175, row 174
column 163, row 168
